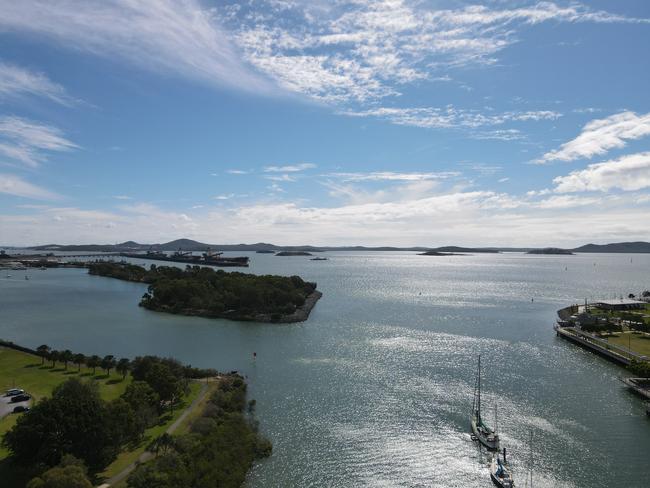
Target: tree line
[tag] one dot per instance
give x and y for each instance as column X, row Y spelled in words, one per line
column 200, row 290
column 218, row 451
column 75, row 421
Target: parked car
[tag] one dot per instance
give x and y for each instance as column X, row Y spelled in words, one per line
column 14, row 392
column 20, row 398
column 21, row 408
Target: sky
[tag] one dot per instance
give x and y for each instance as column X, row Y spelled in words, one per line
column 340, row 122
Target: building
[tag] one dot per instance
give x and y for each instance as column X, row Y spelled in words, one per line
column 620, row 304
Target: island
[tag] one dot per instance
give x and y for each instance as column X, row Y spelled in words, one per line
column 551, row 250
column 293, row 253
column 438, row 253
column 457, row 249
column 204, row 292
column 265, row 251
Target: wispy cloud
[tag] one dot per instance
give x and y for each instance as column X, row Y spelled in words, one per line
column 284, row 177
column 175, row 36
column 28, row 141
column 601, row 135
column 363, row 50
column 392, row 176
column 451, row 117
column 15, row 185
column 237, row 172
column 292, row 168
column 122, row 197
column 17, row 81
column 630, row 173
column 225, row 196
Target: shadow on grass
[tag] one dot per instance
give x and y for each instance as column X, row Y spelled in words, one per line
column 57, row 370
column 101, row 377
column 86, row 374
column 114, row 381
column 35, row 365
column 71, row 372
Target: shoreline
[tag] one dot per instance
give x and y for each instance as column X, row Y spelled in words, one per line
column 301, row 314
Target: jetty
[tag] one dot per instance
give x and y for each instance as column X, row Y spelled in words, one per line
column 618, row 354
column 640, row 386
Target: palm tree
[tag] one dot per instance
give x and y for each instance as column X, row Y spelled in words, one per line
column 123, row 366
column 66, row 356
column 78, row 359
column 43, row 351
column 108, row 363
column 93, row 361
column 54, row 356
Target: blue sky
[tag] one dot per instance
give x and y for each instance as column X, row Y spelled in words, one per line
column 321, row 122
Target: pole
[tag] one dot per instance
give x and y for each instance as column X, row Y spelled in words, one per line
column 479, row 388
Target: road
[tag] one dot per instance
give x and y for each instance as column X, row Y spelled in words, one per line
column 6, row 407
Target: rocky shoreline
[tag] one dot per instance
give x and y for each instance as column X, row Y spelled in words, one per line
column 299, row 315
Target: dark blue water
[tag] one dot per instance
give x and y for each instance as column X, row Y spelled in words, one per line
column 375, row 388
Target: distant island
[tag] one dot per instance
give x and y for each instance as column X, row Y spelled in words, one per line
column 551, row 250
column 616, row 247
column 293, row 253
column 266, row 248
column 457, row 249
column 205, row 292
column 437, row 253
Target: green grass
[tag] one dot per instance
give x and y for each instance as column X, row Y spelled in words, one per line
column 132, row 453
column 637, row 342
column 21, row 370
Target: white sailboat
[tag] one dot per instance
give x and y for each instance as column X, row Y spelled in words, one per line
column 481, row 432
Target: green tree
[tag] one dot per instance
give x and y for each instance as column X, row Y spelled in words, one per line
column 79, row 359
column 70, row 473
column 43, row 351
column 144, row 401
column 123, row 366
column 108, row 363
column 54, row 356
column 168, row 387
column 66, row 357
column 93, row 361
column 73, row 421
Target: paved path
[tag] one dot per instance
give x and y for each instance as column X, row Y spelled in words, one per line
column 147, row 455
column 6, row 407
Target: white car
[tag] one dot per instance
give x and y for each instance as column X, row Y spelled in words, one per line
column 14, row 392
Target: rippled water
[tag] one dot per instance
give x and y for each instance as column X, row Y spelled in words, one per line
column 375, row 389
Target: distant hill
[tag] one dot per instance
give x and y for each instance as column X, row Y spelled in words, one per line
column 464, row 249
column 625, row 247
column 550, row 250
column 191, row 245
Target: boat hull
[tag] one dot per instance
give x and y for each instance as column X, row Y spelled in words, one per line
column 491, row 441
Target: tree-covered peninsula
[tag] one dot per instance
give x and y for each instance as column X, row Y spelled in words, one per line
column 205, row 292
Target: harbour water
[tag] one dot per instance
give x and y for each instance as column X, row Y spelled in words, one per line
column 375, row 389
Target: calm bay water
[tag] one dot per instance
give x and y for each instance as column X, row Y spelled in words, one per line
column 375, row 388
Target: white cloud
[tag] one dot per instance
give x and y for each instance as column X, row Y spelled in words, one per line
column 122, row 197
column 363, row 50
column 26, row 141
column 173, row 36
column 629, row 173
column 451, row 117
column 16, row 81
column 392, row 176
column 293, row 168
column 237, row 172
column 566, row 201
column 224, row 197
column 601, row 135
column 284, row 177
column 16, row 186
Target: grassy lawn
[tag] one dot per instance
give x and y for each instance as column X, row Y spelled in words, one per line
column 131, row 454
column 639, row 343
column 19, row 369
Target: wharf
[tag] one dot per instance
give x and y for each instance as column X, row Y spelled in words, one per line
column 190, row 259
column 640, row 386
column 618, row 354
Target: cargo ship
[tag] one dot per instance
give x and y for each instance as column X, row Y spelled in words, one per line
column 208, row 258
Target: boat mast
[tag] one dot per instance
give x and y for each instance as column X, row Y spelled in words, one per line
column 479, row 388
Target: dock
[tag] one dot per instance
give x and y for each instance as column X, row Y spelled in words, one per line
column 640, row 386
column 617, row 354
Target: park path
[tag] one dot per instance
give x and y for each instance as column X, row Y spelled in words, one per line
column 147, row 455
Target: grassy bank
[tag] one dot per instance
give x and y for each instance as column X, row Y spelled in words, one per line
column 637, row 342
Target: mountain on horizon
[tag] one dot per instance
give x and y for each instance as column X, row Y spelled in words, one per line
column 621, row 247
column 192, row 245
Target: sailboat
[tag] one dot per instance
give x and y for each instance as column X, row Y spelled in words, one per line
column 484, row 434
column 499, row 471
